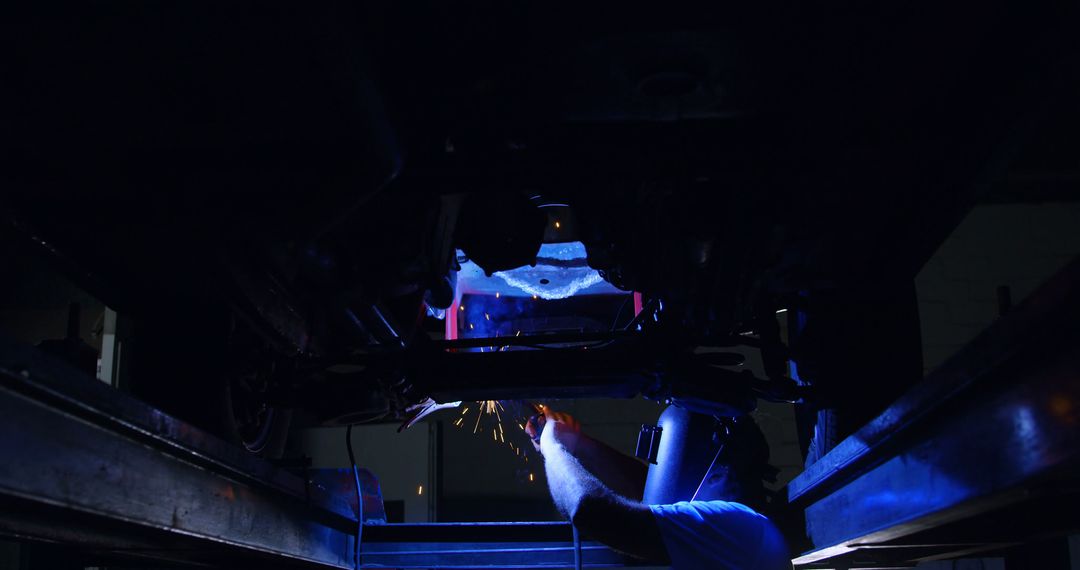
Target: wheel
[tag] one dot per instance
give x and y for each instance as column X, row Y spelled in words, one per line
column 199, row 364
column 249, row 419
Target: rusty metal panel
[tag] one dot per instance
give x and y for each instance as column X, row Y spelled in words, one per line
column 77, row 473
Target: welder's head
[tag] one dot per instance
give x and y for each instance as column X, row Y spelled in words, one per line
column 741, row 467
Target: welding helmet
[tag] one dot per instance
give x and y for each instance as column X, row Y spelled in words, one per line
column 693, row 447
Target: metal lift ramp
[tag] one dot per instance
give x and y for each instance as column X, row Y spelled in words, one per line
column 90, row 466
column 984, row 454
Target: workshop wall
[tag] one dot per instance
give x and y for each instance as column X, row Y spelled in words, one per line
column 400, row 460
column 1017, row 246
column 34, row 306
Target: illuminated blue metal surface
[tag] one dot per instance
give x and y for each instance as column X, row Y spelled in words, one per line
column 561, row 272
column 536, row 299
column 991, row 429
column 483, row 545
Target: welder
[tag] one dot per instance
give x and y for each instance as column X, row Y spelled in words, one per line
column 600, row 491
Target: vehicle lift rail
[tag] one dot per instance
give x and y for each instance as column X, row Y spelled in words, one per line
column 983, row 455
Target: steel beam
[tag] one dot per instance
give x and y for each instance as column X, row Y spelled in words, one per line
column 993, row 430
column 482, row 545
column 87, row 465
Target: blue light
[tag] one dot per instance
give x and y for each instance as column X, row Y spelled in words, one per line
column 561, row 271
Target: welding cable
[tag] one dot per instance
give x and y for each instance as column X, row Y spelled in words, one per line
column 359, row 497
column 577, row 547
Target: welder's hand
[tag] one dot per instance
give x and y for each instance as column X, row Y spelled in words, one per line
column 555, row 428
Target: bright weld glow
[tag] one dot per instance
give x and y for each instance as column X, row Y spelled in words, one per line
column 557, row 226
column 531, row 477
column 471, row 327
column 551, row 292
column 496, row 294
column 534, row 297
column 487, row 317
column 420, row 490
column 461, row 308
column 781, row 311
column 561, row 271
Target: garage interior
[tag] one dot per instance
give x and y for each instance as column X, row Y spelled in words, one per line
column 284, row 284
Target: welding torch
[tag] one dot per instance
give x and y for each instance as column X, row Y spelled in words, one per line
column 535, row 420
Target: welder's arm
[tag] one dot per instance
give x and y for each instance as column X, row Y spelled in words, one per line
column 620, row 472
column 623, row 524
